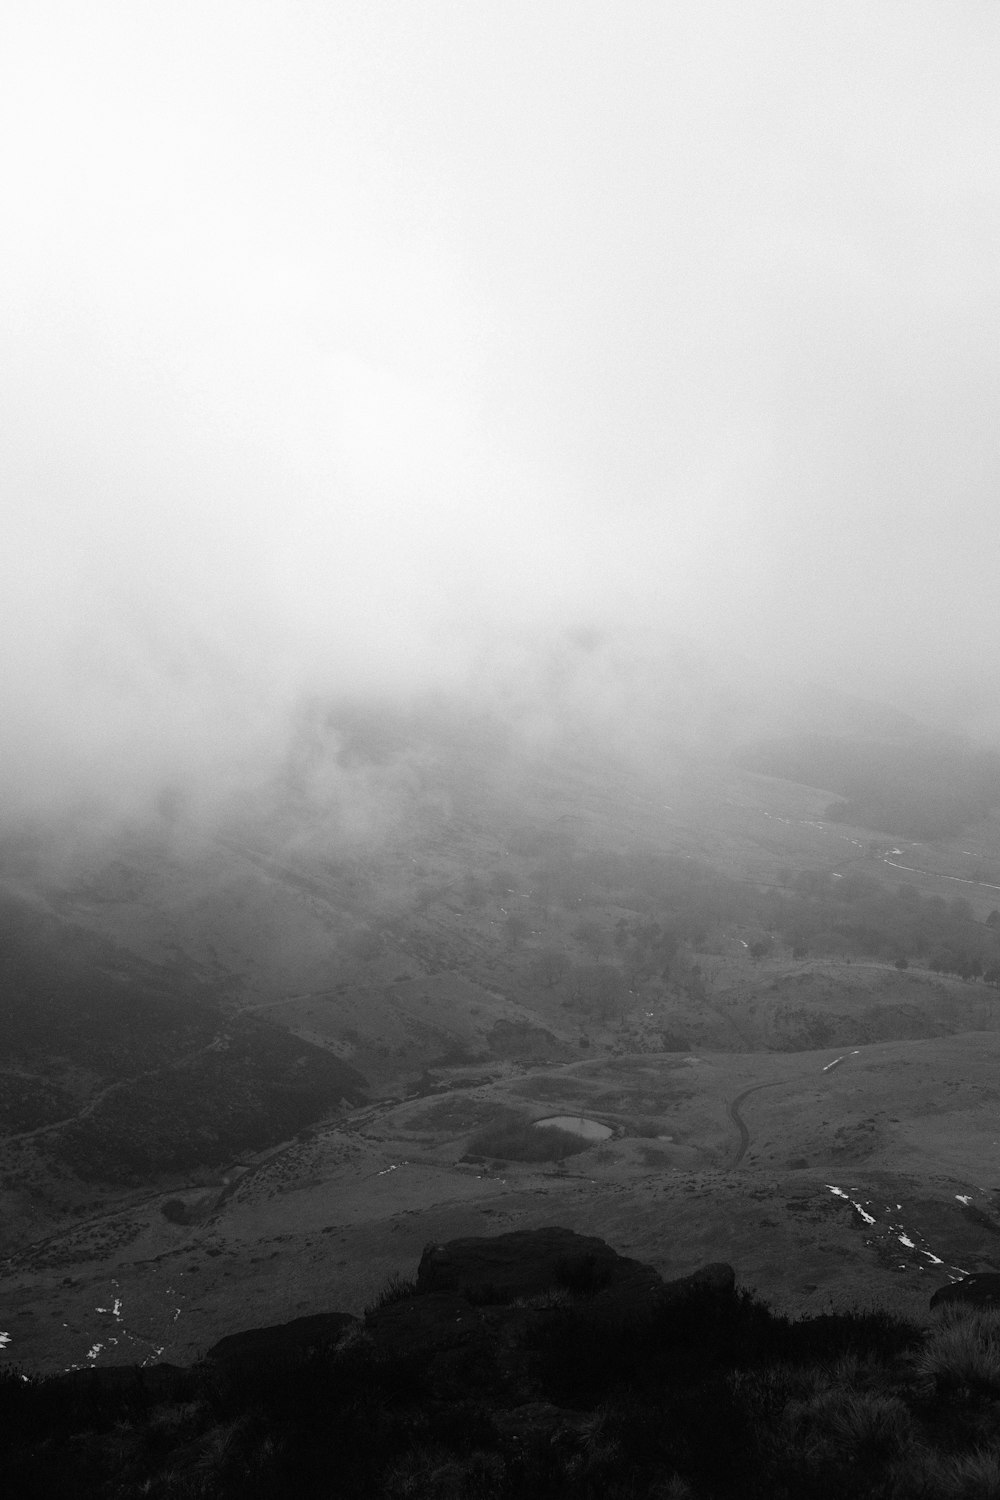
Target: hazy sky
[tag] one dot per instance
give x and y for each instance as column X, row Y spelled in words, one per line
column 338, row 337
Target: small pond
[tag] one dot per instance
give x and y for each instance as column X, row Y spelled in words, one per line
column 591, row 1130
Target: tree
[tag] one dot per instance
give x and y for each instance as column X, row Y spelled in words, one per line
column 993, row 920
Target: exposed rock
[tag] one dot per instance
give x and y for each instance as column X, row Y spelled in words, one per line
column 282, row 1343
column 981, row 1289
column 718, row 1276
column 444, row 1336
column 529, row 1261
column 425, row 1325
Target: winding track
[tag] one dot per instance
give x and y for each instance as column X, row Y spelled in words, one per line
column 733, row 1110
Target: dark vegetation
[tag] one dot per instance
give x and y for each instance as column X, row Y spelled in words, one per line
column 259, row 1086
column 149, row 1076
column 705, row 1396
column 112, row 1013
column 678, row 907
column 921, row 788
column 518, row 1139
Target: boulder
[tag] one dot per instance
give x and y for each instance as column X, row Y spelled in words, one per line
column 981, row 1289
column 526, row 1262
column 282, row 1343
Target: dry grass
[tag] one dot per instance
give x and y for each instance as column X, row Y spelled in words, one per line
column 964, row 1350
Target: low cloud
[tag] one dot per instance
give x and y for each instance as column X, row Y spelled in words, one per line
column 355, row 355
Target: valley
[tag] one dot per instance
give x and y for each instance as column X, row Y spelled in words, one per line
column 304, row 1059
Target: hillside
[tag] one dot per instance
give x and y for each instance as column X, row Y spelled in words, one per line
column 289, row 1055
column 536, row 1363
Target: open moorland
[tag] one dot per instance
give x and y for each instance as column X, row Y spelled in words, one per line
column 287, row 1060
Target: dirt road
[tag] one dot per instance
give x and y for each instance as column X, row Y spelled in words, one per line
column 733, row 1110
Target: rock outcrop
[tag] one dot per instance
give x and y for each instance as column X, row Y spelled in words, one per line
column 981, row 1289
column 463, row 1323
column 282, row 1343
column 503, row 1267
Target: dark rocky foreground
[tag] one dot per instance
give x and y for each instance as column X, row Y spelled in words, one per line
column 537, row 1363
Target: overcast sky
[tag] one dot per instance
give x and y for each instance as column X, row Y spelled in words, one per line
column 339, row 336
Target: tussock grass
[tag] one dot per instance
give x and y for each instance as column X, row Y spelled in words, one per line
column 397, row 1289
column 863, row 1426
column 964, row 1350
column 969, row 1476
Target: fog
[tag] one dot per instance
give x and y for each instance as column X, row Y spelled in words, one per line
column 365, row 348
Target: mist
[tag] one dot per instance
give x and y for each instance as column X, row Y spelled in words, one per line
column 370, row 350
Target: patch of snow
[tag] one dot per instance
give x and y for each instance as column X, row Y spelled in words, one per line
column 94, row 1351
column 841, row 1194
column 964, row 1198
column 4, row 1340
column 833, row 1064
